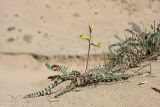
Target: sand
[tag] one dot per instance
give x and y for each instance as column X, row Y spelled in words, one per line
column 35, row 32
column 52, row 27
column 29, row 75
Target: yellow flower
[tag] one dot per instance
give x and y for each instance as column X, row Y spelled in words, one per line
column 98, row 45
column 83, row 36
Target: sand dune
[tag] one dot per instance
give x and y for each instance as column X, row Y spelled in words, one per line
column 35, row 32
column 52, row 27
column 28, row 75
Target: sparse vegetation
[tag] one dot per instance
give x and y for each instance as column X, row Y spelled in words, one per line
column 134, row 49
column 127, row 53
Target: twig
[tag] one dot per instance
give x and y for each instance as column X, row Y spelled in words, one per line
column 150, row 68
column 154, row 26
column 143, row 67
column 156, row 89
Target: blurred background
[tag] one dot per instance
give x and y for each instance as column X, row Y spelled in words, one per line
column 52, row 27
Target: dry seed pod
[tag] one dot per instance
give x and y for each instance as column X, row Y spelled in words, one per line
column 55, row 67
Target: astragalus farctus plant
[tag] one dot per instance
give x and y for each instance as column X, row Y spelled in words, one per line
column 127, row 53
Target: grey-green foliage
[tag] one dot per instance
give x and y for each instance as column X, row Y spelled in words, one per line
column 127, row 53
column 91, row 76
column 60, row 68
column 98, row 69
column 130, row 51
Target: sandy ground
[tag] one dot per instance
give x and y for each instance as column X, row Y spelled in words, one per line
column 29, row 75
column 33, row 32
column 52, row 27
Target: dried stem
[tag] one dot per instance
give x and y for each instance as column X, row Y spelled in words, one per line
column 154, row 26
column 89, row 47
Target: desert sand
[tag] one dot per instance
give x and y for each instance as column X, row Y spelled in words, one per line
column 35, row 32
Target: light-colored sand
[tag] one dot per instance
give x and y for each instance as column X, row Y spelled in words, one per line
column 33, row 32
column 29, row 75
column 52, row 27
